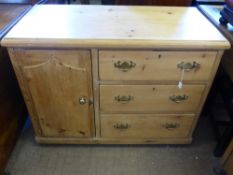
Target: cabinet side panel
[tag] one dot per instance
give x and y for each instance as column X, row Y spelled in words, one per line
column 15, row 56
column 208, row 86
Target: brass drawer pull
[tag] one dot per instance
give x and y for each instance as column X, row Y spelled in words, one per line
column 178, row 98
column 121, row 126
column 124, row 99
column 188, row 66
column 171, row 126
column 124, row 66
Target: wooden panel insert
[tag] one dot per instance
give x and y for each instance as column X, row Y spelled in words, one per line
column 57, row 81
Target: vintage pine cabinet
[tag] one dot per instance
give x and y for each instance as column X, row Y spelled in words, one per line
column 108, row 74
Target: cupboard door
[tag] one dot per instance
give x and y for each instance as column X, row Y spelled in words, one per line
column 61, row 90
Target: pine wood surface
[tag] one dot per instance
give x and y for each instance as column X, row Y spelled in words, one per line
column 110, row 26
column 96, row 87
column 207, row 88
column 149, row 65
column 56, row 80
column 36, row 58
column 146, row 126
column 25, row 91
column 57, row 67
column 62, row 140
column 149, row 98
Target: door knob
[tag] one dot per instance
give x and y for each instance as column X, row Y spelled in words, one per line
column 82, row 100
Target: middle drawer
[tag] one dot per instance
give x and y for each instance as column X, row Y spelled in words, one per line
column 149, row 98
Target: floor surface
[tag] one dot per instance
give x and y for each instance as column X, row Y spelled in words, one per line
column 29, row 158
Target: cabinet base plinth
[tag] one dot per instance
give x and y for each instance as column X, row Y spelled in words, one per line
column 51, row 140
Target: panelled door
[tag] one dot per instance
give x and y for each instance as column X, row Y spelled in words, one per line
column 60, row 87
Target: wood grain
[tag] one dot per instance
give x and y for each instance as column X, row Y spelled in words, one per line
column 56, row 81
column 136, row 27
column 14, row 55
column 149, row 98
column 154, row 65
column 145, row 126
column 57, row 67
column 54, row 140
column 207, row 89
column 95, row 80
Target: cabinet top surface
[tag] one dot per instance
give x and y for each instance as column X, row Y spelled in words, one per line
column 9, row 14
column 115, row 26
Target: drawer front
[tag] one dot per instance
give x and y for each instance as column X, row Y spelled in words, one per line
column 146, row 126
column 149, row 98
column 155, row 65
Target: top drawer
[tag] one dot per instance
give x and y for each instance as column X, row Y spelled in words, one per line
column 155, row 65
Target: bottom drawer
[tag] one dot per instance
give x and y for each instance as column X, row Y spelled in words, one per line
column 146, row 126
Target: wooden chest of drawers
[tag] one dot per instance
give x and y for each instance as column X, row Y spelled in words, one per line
column 139, row 97
column 112, row 78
